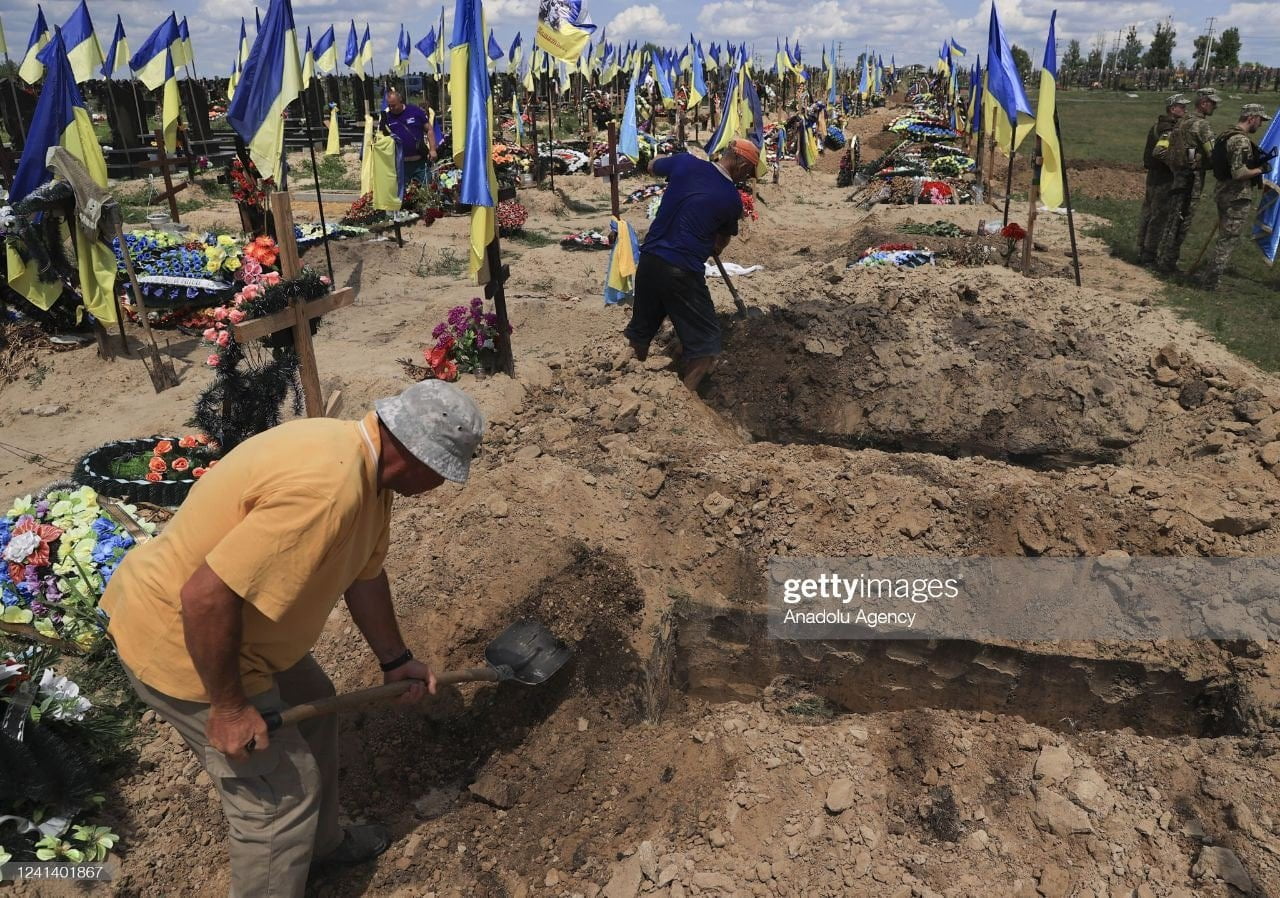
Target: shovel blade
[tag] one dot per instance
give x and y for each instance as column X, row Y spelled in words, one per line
column 530, row 650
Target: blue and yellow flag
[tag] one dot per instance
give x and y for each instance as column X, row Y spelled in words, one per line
column 698, row 78
column 662, row 71
column 428, row 46
column 494, row 49
column 32, row 70
column 308, row 63
column 620, row 280
column 183, row 54
column 84, row 53
column 400, row 59
column 382, row 168
column 353, row 47
column 117, row 53
column 365, row 59
column 731, row 124
column 562, row 31
column 325, row 52
column 976, row 104
column 271, row 80
column 1052, row 191
column 238, row 63
column 1004, row 86
column 514, row 54
column 472, row 119
column 153, row 63
column 62, row 120
column 629, row 135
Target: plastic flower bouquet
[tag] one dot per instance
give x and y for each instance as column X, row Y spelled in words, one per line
column 59, row 552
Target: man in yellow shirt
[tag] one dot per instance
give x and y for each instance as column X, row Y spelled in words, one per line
column 215, row 618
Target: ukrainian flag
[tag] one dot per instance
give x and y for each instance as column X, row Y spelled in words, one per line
column 365, row 59
column 398, row 59
column 353, row 47
column 32, row 70
column 427, row 46
column 561, row 31
column 661, row 70
column 325, row 52
column 270, row 81
column 183, row 54
column 494, row 50
column 1052, row 191
column 629, row 135
column 309, row 63
column 153, row 63
column 83, row 50
column 1004, row 85
column 62, row 120
column 472, row 102
column 620, row 281
column 118, row 53
column 515, row 53
column 238, row 62
column 731, row 120
column 4, row 45
column 698, row 82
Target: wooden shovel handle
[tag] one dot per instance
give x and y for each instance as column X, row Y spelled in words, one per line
column 361, row 698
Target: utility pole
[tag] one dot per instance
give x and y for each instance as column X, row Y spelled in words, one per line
column 1208, row 46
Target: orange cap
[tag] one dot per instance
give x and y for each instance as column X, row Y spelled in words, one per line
column 745, row 149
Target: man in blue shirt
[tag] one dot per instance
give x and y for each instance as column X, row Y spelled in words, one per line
column 698, row 216
column 411, row 126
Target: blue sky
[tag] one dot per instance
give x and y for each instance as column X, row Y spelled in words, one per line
column 910, row 30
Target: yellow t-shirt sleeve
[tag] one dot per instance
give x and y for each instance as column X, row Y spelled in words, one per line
column 379, row 556
column 271, row 556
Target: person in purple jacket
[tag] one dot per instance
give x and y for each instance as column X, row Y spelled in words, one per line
column 698, row 216
column 411, row 126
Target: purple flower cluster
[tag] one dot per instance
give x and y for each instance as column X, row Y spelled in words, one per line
column 465, row 331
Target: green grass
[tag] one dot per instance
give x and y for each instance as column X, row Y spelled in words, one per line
column 533, row 239
column 1109, row 126
column 135, row 207
column 1244, row 314
column 447, row 263
column 332, row 175
column 1112, row 127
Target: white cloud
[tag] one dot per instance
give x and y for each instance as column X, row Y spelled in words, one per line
column 643, row 22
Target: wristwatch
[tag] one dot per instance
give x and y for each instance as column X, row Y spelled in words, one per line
column 398, row 661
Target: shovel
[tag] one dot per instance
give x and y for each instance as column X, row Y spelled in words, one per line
column 525, row 652
column 733, row 291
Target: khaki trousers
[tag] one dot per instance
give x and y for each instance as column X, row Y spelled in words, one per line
column 281, row 803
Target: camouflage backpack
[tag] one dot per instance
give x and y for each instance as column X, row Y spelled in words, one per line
column 1180, row 142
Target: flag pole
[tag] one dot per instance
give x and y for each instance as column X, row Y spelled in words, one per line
column 551, row 134
column 1031, row 211
column 315, row 167
column 17, row 110
column 1008, row 179
column 1066, row 195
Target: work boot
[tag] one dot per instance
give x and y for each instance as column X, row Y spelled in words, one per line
column 359, row 844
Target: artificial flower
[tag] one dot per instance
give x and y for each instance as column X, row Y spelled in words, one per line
column 164, row 447
column 181, row 464
column 212, row 361
column 187, row 442
column 157, row 465
column 197, row 473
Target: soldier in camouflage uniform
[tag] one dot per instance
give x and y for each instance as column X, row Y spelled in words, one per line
column 1155, row 204
column 1234, row 196
column 1190, row 144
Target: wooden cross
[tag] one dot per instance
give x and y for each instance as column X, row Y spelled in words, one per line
column 495, row 289
column 614, row 170
column 165, row 164
column 299, row 314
